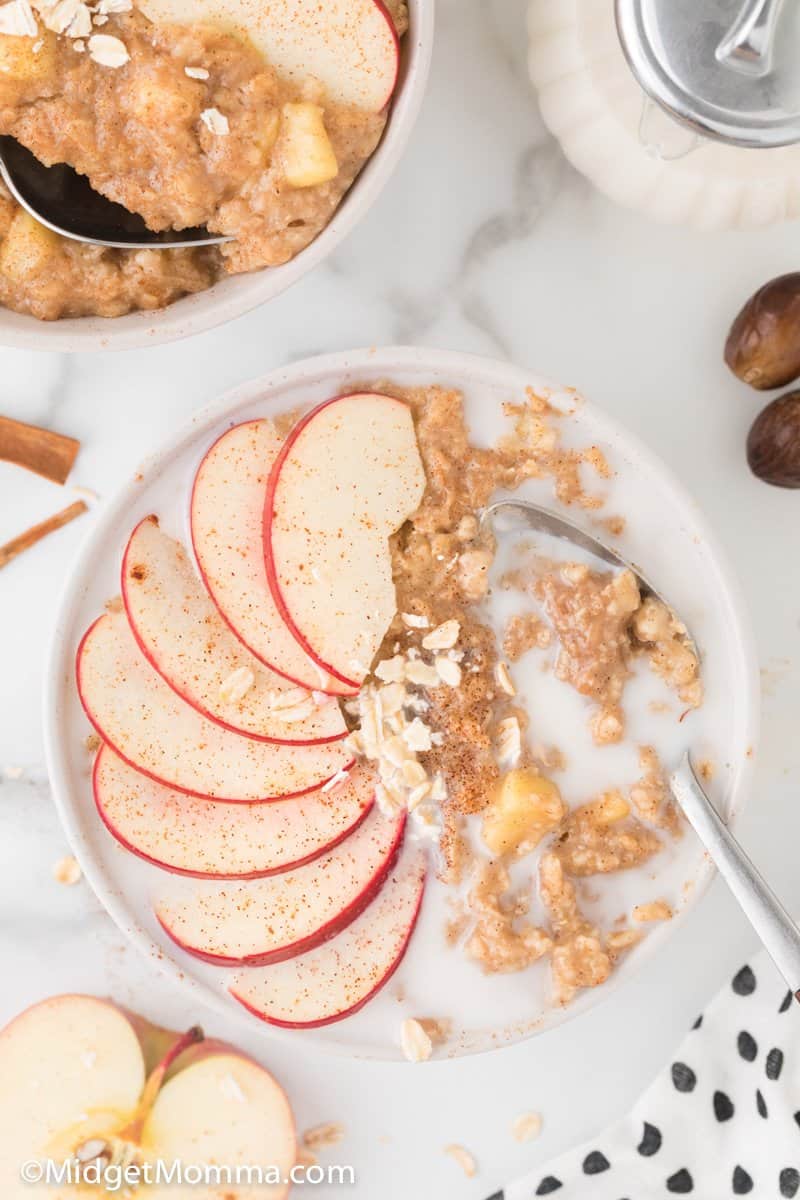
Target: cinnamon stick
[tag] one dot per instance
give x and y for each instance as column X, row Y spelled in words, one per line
column 25, row 540
column 40, row 450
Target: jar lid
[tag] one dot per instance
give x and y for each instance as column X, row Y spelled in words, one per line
column 730, row 70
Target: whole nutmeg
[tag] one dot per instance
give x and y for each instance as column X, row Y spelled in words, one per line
column 763, row 346
column 773, row 444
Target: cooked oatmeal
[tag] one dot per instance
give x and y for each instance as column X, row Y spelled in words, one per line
column 601, row 621
column 441, row 719
column 192, row 128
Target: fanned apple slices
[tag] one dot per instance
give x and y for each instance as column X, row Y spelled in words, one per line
column 349, row 46
column 159, row 734
column 181, row 633
column 227, row 515
column 188, row 836
column 346, row 478
column 337, row 978
column 217, row 762
column 270, row 920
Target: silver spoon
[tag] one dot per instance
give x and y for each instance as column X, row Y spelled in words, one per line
column 65, row 202
column 776, row 929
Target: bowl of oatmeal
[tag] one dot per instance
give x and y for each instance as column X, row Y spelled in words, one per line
column 480, row 727
column 189, row 124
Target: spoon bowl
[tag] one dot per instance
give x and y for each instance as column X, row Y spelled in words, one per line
column 778, row 932
column 64, row 201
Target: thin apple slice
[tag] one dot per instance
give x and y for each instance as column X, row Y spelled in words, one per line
column 350, row 46
column 338, row 978
column 227, row 514
column 346, row 478
column 70, row 1065
column 159, row 734
column 269, row 920
column 187, row 836
column 181, row 633
column 226, row 1110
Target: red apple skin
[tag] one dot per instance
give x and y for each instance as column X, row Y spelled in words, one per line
column 323, row 934
column 397, row 49
column 322, row 741
column 273, row 666
column 171, row 870
column 149, row 774
column 269, row 513
column 354, row 1008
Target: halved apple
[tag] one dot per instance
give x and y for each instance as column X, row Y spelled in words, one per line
column 337, row 978
column 227, row 514
column 182, row 634
column 269, row 920
column 159, row 734
column 346, row 478
column 189, row 836
column 349, row 45
column 77, row 1084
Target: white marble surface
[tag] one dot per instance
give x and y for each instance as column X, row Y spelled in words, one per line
column 487, row 241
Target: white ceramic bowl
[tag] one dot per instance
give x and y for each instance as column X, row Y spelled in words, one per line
column 666, row 534
column 238, row 294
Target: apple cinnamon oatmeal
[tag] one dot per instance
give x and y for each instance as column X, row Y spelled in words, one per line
column 442, row 720
column 186, row 126
column 601, row 621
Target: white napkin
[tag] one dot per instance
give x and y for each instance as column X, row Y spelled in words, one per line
column 722, row 1120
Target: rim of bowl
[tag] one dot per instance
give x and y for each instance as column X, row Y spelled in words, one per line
column 60, row 654
column 236, row 295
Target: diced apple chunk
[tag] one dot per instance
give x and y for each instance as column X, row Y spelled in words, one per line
column 308, row 157
column 526, row 808
column 27, row 247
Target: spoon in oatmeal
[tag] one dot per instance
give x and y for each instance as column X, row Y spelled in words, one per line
column 64, row 201
column 777, row 931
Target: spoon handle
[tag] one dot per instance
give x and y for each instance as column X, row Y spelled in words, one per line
column 776, row 929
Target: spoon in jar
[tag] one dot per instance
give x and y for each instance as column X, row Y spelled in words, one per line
column 64, row 201
column 778, row 932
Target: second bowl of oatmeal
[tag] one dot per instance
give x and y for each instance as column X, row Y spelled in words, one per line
column 512, row 708
column 186, row 125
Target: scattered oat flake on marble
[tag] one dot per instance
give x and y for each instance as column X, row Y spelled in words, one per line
column 67, row 871
column 320, row 1136
column 17, row 19
column 526, row 1127
column 196, row 72
column 464, row 1159
column 107, row 50
column 12, row 773
column 414, row 1041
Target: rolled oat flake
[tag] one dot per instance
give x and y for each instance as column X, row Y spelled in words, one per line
column 728, row 69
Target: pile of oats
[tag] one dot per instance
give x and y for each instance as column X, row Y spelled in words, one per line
column 390, row 729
